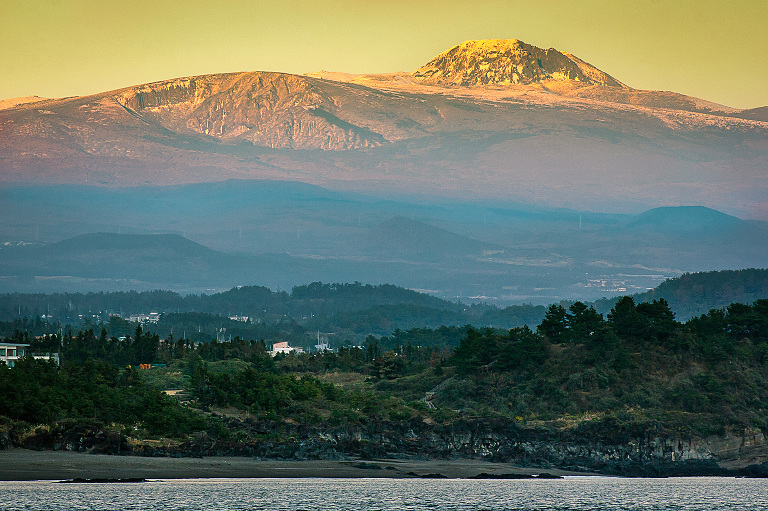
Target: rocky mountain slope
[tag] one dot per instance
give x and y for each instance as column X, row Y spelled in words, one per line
column 484, row 119
column 500, row 61
column 266, row 109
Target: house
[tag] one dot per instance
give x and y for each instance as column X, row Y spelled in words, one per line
column 10, row 352
column 282, row 347
column 152, row 317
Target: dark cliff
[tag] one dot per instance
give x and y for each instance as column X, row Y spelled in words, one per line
column 606, row 448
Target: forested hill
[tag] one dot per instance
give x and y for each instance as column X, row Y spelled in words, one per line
column 352, row 311
column 315, row 298
column 635, row 393
column 694, row 294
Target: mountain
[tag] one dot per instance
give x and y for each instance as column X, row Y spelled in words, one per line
column 163, row 260
column 112, row 246
column 198, row 237
column 497, row 119
column 757, row 114
column 684, row 219
column 266, row 109
column 501, row 61
column 410, row 239
column 14, row 102
column 480, row 176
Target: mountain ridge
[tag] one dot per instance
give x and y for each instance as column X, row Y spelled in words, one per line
column 284, row 110
column 685, row 218
column 566, row 141
column 283, row 234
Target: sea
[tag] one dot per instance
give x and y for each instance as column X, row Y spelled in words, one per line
column 567, row 494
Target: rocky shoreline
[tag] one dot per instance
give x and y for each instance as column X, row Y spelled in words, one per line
column 590, row 448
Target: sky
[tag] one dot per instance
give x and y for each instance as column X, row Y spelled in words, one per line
column 715, row 50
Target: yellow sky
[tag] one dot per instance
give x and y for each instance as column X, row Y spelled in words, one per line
column 716, row 50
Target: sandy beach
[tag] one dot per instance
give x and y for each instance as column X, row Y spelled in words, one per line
column 27, row 465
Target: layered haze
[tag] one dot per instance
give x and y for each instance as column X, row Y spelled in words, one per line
column 496, row 171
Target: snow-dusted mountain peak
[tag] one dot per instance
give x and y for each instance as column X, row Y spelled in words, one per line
column 508, row 62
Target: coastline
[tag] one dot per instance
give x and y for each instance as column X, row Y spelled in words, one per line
column 28, row 465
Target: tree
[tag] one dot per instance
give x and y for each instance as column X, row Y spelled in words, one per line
column 626, row 321
column 659, row 319
column 476, row 350
column 393, row 365
column 583, row 322
column 523, row 348
column 145, row 347
column 554, row 326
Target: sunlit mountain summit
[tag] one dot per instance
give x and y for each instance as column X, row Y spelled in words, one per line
column 508, row 61
column 496, row 118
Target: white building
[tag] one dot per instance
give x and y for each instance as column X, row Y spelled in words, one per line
column 152, row 317
column 282, row 347
column 322, row 346
column 10, row 352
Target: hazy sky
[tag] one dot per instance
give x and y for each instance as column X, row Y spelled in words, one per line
column 716, row 50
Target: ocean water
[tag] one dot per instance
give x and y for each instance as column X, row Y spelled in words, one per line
column 571, row 494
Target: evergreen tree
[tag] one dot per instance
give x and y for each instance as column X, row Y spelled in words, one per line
column 554, row 326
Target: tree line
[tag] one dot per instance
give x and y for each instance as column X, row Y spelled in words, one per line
column 706, row 373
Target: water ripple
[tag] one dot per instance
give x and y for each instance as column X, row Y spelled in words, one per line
column 569, row 494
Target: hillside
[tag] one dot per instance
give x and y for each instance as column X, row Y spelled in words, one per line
column 638, row 394
column 694, row 294
column 283, row 234
column 349, row 313
column 409, row 239
column 565, row 133
column 160, row 258
column 684, row 219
